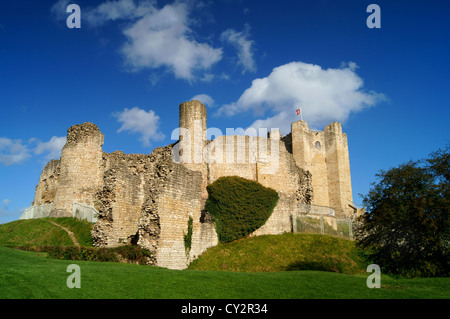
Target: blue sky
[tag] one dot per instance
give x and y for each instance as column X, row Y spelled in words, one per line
column 253, row 63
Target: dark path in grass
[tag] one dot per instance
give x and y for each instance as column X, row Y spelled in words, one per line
column 71, row 234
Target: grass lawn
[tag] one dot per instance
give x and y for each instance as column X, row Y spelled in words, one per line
column 32, row 275
column 283, row 252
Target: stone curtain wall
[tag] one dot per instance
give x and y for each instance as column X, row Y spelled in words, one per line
column 280, row 173
column 178, row 197
column 121, row 197
column 147, row 200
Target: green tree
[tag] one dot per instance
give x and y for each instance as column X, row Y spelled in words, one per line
column 406, row 228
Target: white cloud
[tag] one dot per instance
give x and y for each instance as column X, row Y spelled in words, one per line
column 349, row 65
column 158, row 37
column 107, row 11
column 53, row 147
column 16, row 151
column 12, row 151
column 162, row 38
column 145, row 123
column 6, row 202
column 325, row 95
column 243, row 45
column 121, row 9
column 59, row 9
column 205, row 99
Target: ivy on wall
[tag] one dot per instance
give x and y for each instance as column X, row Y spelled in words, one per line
column 239, row 206
column 188, row 236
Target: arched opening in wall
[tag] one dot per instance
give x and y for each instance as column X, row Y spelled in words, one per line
column 318, row 146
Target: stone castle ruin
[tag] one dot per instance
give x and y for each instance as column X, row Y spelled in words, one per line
column 147, row 199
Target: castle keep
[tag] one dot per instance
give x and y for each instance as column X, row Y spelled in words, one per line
column 147, row 199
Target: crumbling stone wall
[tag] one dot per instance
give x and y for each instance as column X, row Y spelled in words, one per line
column 173, row 195
column 121, row 197
column 48, row 184
column 148, row 199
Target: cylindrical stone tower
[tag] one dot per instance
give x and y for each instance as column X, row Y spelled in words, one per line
column 193, row 140
column 81, row 173
column 192, row 132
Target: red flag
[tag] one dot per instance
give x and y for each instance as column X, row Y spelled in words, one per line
column 298, row 111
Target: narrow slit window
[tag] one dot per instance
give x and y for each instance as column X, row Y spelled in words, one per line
column 318, row 145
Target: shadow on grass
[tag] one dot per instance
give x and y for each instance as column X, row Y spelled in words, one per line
column 311, row 265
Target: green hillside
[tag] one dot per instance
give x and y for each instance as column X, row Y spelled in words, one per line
column 42, row 232
column 267, row 253
column 285, row 252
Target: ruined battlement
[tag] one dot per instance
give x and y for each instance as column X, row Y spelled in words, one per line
column 148, row 199
column 86, row 132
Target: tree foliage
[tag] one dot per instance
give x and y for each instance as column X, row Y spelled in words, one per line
column 239, row 206
column 406, row 228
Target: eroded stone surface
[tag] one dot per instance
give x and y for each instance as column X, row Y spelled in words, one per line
column 147, row 199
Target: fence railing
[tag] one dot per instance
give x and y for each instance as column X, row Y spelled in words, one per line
column 321, row 220
column 37, row 211
column 79, row 211
column 82, row 211
column 315, row 209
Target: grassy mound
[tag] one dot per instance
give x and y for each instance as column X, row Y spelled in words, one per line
column 81, row 229
column 40, row 232
column 41, row 235
column 283, row 253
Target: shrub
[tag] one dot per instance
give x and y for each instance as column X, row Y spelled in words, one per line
column 239, row 206
column 133, row 254
column 188, row 236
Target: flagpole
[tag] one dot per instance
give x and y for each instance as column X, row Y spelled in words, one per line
column 300, row 111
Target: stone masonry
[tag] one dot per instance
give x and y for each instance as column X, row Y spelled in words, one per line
column 148, row 199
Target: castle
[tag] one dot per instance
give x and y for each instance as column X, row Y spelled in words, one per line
column 147, row 199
